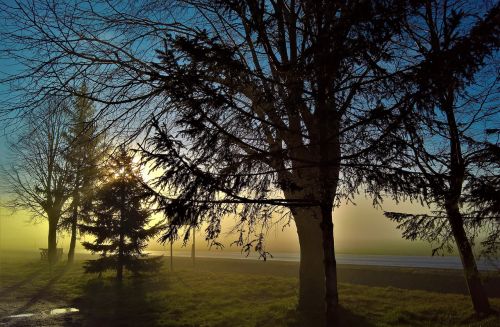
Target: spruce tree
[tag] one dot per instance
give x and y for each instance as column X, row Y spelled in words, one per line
column 120, row 220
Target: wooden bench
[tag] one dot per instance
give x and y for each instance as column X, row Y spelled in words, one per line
column 44, row 254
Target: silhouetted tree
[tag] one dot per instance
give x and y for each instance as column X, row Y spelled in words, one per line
column 38, row 179
column 120, row 220
column 258, row 105
column 84, row 154
column 265, row 108
column 455, row 160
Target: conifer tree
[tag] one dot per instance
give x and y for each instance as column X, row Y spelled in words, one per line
column 120, row 220
column 448, row 147
column 83, row 155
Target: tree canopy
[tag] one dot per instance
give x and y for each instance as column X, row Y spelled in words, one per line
column 84, row 154
column 120, row 220
column 38, row 178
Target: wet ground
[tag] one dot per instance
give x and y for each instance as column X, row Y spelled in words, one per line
column 52, row 317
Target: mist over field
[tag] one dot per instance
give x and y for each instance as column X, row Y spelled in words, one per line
column 360, row 229
column 289, row 163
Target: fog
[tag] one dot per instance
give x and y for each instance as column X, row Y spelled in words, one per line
column 359, row 229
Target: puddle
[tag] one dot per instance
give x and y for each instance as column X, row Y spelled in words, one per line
column 22, row 315
column 62, row 311
column 58, row 311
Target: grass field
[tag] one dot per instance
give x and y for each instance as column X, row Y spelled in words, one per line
column 213, row 294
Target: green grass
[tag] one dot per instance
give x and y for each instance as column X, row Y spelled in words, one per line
column 190, row 297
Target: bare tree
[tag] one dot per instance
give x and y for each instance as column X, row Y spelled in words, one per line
column 38, row 179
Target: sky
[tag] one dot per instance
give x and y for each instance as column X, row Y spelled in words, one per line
column 358, row 228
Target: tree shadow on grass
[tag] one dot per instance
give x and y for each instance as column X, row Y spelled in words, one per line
column 56, row 275
column 346, row 318
column 28, row 279
column 107, row 303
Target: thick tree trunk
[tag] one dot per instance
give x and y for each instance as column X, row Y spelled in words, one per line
column 332, row 296
column 312, row 273
column 52, row 241
column 476, row 290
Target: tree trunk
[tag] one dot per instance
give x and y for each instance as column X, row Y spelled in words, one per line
column 193, row 250
column 457, row 176
column 171, row 256
column 74, row 221
column 476, row 290
column 312, row 273
column 119, row 268
column 72, row 242
column 331, row 296
column 52, row 241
